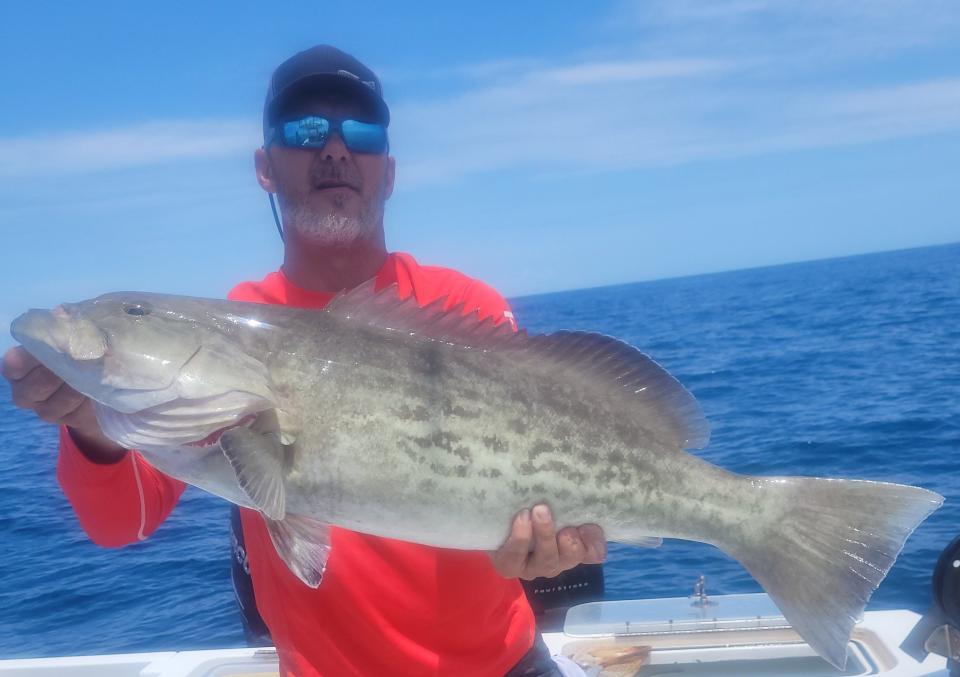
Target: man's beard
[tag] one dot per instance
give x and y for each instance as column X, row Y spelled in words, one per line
column 330, row 229
column 326, row 229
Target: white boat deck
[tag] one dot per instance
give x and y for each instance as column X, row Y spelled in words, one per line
column 761, row 652
column 875, row 644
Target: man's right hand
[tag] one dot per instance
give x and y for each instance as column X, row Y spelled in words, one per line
column 37, row 388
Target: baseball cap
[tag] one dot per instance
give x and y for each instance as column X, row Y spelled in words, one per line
column 322, row 68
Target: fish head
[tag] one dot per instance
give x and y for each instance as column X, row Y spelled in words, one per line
column 108, row 346
column 142, row 356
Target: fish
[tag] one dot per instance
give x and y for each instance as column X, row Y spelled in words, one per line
column 436, row 426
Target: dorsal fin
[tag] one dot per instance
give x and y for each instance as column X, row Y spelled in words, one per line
column 385, row 309
column 611, row 363
column 600, row 360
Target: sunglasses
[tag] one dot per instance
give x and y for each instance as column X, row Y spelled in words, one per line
column 313, row 131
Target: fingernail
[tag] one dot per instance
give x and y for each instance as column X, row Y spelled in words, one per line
column 541, row 513
column 524, row 516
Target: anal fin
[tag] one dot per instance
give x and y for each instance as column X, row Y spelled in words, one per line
column 304, row 546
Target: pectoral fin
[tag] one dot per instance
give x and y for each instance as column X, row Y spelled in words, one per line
column 257, row 459
column 303, row 544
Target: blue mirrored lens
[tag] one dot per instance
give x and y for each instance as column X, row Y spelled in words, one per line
column 309, row 132
column 313, row 132
column 364, row 137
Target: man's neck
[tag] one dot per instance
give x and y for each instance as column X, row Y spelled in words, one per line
column 332, row 269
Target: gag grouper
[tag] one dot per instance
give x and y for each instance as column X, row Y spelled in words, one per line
column 426, row 425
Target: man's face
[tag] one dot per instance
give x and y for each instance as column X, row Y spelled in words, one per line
column 332, row 197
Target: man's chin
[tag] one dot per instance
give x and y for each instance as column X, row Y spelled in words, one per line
column 324, row 227
column 334, row 238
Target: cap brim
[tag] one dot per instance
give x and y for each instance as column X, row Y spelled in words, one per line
column 324, row 83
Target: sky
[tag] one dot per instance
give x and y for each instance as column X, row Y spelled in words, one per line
column 540, row 146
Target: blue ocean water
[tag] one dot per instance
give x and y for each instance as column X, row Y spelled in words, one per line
column 840, row 368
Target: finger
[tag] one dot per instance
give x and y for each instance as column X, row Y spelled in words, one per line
column 594, row 542
column 570, row 548
column 83, row 419
column 17, row 363
column 545, row 560
column 510, row 558
column 60, row 404
column 37, row 386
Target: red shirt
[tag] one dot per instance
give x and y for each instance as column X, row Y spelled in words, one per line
column 384, row 607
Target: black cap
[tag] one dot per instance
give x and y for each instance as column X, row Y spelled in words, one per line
column 322, row 69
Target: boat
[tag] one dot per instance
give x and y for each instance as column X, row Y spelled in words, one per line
column 702, row 635
column 721, row 647
column 737, row 635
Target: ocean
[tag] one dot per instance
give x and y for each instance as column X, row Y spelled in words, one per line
column 839, row 368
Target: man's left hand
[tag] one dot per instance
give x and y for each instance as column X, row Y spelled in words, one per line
column 536, row 549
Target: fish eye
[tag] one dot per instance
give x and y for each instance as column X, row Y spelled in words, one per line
column 137, row 309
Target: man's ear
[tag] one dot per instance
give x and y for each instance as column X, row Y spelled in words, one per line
column 391, row 174
column 261, row 161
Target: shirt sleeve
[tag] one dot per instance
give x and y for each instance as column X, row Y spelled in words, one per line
column 489, row 303
column 115, row 503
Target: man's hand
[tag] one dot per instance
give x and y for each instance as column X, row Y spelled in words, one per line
column 37, row 388
column 535, row 548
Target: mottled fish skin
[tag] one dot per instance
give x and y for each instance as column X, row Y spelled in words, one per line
column 443, row 444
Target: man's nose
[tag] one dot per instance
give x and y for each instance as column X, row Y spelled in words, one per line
column 335, row 149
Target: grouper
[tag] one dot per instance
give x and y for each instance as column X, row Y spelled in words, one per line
column 429, row 425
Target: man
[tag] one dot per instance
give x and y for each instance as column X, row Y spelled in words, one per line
column 384, row 606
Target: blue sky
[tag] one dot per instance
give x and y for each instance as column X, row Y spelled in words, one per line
column 540, row 145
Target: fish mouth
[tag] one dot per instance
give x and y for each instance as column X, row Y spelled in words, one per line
column 37, row 327
column 72, row 350
column 61, row 332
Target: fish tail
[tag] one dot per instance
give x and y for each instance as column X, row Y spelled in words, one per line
column 828, row 545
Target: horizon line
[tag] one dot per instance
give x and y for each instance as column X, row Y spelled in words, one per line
column 726, row 271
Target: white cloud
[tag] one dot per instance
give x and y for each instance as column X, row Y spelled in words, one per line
column 804, row 33
column 675, row 81
column 575, row 122
column 685, row 80
column 895, row 111
column 72, row 152
column 582, row 117
column 481, row 71
column 602, row 72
